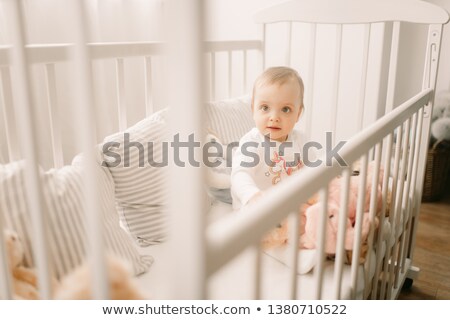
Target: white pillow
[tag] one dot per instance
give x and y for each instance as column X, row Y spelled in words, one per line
column 140, row 187
column 229, row 119
column 65, row 218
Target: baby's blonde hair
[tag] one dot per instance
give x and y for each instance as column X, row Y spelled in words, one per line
column 279, row 75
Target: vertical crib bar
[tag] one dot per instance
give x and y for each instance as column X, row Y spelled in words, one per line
column 85, row 118
column 52, row 103
column 310, row 87
column 388, row 261
column 416, row 198
column 401, row 147
column 385, row 189
column 394, row 268
column 358, row 226
column 213, row 76
column 121, row 107
column 372, row 215
column 244, row 72
column 392, row 76
column 185, row 25
column 258, row 267
column 230, row 72
column 8, row 115
column 408, row 203
column 321, row 231
column 148, row 86
column 392, row 67
column 340, row 245
column 287, row 57
column 262, row 36
column 294, row 226
column 406, row 199
column 5, row 282
column 4, row 55
column 337, row 71
column 28, row 133
column 362, row 90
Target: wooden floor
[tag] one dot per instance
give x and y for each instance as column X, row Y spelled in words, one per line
column 432, row 253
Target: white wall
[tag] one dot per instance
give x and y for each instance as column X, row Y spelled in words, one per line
column 412, row 54
column 231, row 20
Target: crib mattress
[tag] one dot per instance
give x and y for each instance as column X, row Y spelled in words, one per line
column 236, row 280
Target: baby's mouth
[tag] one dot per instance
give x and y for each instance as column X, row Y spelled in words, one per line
column 274, row 128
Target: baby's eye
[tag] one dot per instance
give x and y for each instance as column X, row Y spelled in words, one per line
column 264, row 107
column 286, row 109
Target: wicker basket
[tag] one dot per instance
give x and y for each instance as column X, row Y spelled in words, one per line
column 437, row 172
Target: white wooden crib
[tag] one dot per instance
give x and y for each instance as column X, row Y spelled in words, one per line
column 217, row 255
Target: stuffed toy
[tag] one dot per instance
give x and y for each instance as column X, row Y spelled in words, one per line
column 440, row 126
column 441, row 108
column 276, row 237
column 77, row 284
column 312, row 215
column 440, row 129
column 309, row 216
column 23, row 279
column 279, row 235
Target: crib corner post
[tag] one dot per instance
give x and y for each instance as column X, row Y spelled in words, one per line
column 429, row 82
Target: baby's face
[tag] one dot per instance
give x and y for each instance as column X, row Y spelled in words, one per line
column 276, row 109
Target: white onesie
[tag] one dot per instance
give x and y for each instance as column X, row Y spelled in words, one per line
column 257, row 165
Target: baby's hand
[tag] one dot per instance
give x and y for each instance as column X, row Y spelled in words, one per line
column 255, row 197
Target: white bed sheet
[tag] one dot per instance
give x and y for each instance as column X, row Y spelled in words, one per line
column 236, row 279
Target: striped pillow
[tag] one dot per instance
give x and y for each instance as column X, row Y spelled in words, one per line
column 63, row 194
column 140, row 184
column 229, row 119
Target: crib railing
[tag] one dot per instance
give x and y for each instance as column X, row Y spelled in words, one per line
column 213, row 48
column 226, row 239
column 50, row 56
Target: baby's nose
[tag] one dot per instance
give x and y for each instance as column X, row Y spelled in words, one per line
column 274, row 116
